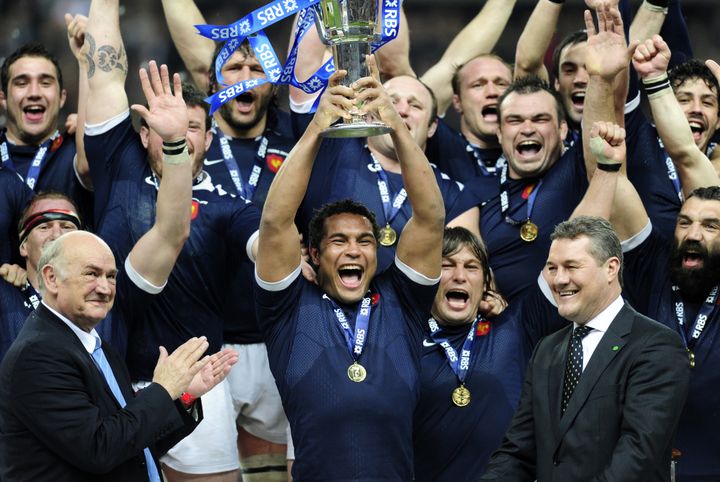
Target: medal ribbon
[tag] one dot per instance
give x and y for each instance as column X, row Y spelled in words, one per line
column 390, row 208
column 32, row 297
column 355, row 341
column 37, row 164
column 486, row 171
column 701, row 320
column 246, row 190
column 251, row 27
column 460, row 364
column 672, row 172
column 505, row 198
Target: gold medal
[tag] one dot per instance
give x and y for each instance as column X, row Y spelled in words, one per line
column 691, row 356
column 528, row 231
column 461, row 396
column 388, row 236
column 356, row 372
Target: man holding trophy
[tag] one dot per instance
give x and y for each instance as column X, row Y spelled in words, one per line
column 345, row 352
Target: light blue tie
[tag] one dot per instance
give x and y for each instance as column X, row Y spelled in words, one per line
column 103, row 365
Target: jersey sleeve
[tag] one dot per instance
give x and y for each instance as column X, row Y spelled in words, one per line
column 276, row 304
column 243, row 228
column 646, row 256
column 415, row 292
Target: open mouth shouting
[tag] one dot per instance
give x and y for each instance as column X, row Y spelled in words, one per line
column 528, row 149
column 698, row 127
column 457, row 299
column 34, row 113
column 245, row 102
column 351, row 276
column 578, row 99
column 489, row 113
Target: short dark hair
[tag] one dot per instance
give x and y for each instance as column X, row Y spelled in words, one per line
column 193, row 97
column 604, row 241
column 572, row 39
column 457, row 238
column 32, row 49
column 316, row 229
column 42, row 195
column 710, row 193
column 529, row 85
column 693, row 69
column 456, row 75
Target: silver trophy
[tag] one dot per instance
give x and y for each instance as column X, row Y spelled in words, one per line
column 349, row 27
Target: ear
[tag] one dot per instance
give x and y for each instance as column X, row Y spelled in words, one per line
column 50, row 279
column 144, row 133
column 457, row 105
column 63, row 97
column 315, row 256
column 432, row 128
column 23, row 249
column 557, row 85
column 613, row 268
column 563, row 130
column 208, row 139
column 3, row 100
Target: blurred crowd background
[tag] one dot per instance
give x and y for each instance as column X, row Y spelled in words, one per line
column 433, row 24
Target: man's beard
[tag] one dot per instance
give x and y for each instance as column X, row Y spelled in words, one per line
column 694, row 283
column 261, row 107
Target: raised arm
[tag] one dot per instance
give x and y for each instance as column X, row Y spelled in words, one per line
column 155, row 253
column 478, row 37
column 651, row 61
column 607, row 58
column 195, row 50
column 535, row 39
column 610, row 195
column 648, row 20
column 76, row 26
column 421, row 240
column 107, row 63
column 278, row 252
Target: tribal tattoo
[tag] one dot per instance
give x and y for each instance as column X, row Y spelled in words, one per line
column 105, row 58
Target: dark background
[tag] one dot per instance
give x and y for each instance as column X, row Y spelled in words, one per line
column 432, row 26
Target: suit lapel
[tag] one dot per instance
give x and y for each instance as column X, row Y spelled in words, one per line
column 610, row 345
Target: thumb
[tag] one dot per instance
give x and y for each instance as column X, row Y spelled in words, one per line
column 141, row 110
column 68, row 19
column 163, row 354
column 631, row 48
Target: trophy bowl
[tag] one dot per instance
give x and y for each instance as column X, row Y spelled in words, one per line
column 350, row 27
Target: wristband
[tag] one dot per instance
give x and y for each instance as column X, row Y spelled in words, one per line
column 604, row 163
column 657, row 86
column 175, row 152
column 656, row 6
column 187, row 399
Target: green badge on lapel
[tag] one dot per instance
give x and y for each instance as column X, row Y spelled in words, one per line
column 615, row 348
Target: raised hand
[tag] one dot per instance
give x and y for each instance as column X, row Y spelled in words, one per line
column 336, row 102
column 166, row 113
column 607, row 142
column 714, row 68
column 175, row 372
column 651, row 58
column 372, row 96
column 76, row 27
column 594, row 4
column 213, row 373
column 607, row 52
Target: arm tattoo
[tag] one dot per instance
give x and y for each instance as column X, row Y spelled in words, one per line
column 106, row 57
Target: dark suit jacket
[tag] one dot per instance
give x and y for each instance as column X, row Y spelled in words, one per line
column 59, row 421
column 620, row 420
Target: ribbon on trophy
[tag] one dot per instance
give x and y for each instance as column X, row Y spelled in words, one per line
column 251, row 27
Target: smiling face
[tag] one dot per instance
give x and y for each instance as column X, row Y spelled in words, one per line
column 33, row 100
column 481, row 82
column 462, row 284
column 695, row 260
column 700, row 105
column 572, row 80
column 530, row 133
column 245, row 115
column 80, row 282
column 581, row 285
column 346, row 257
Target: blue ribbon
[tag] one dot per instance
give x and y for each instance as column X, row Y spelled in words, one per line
column 505, row 198
column 702, row 319
column 355, row 341
column 460, row 364
column 41, row 157
column 390, row 208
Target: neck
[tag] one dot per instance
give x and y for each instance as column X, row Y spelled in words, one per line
column 388, row 163
column 483, row 142
column 240, row 133
column 15, row 138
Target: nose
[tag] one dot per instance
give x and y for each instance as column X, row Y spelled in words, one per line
column 694, row 232
column 527, row 127
column 491, row 90
column 696, row 106
column 561, row 277
column 581, row 76
column 401, row 106
column 102, row 285
column 33, row 89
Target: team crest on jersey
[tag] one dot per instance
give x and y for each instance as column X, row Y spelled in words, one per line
column 374, row 298
column 194, row 210
column 274, row 161
column 56, row 143
column 483, row 328
column 527, row 191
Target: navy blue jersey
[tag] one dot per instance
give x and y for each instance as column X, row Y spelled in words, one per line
column 57, row 171
column 451, row 152
column 14, row 196
column 515, row 262
column 15, row 307
column 648, row 285
column 454, row 444
column 345, row 430
column 652, row 173
column 249, row 154
column 191, row 303
column 344, row 169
